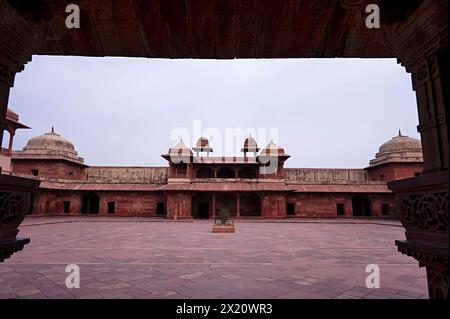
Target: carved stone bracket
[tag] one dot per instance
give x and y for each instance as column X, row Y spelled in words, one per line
column 421, row 44
column 17, row 42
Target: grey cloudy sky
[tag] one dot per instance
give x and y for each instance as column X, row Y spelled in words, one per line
column 123, row 111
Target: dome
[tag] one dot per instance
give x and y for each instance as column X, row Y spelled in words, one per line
column 400, row 148
column 202, row 145
column 50, row 146
column 50, row 141
column 250, row 145
column 401, row 143
column 273, row 149
column 180, row 149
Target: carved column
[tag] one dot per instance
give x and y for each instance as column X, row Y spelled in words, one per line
column 6, row 80
column 214, row 204
column 421, row 44
column 238, row 204
column 11, row 141
column 17, row 41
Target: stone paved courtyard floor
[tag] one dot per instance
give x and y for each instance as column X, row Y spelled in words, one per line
column 147, row 258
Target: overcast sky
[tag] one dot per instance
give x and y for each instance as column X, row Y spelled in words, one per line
column 127, row 111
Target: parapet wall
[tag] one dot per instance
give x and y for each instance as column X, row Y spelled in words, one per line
column 325, row 175
column 111, row 174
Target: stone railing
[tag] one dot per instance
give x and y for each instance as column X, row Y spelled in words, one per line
column 111, row 174
column 325, row 175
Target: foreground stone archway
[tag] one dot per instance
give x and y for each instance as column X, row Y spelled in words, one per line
column 415, row 32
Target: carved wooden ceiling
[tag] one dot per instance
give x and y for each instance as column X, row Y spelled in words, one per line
column 207, row 28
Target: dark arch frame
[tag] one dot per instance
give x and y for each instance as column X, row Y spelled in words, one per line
column 250, row 205
column 227, row 201
column 201, row 205
column 90, row 203
column 361, row 206
column 226, row 172
column 248, row 172
column 204, row 172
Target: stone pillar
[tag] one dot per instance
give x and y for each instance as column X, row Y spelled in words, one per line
column 429, row 82
column 421, row 44
column 11, row 141
column 422, row 47
column 238, row 204
column 17, row 41
column 214, row 204
column 75, row 205
column 348, row 207
column 188, row 171
column 6, row 81
column 265, row 206
column 376, row 207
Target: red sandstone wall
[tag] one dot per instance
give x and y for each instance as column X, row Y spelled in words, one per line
column 118, row 174
column 49, row 168
column 179, row 204
column 320, row 205
column 394, row 171
column 325, row 175
column 126, row 203
column 273, row 206
column 324, row 205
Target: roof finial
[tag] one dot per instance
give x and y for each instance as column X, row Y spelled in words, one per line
column 53, row 129
column 400, row 132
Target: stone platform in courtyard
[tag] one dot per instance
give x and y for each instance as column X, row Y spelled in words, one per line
column 157, row 258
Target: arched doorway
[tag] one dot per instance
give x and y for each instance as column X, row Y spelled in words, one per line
column 205, row 172
column 250, row 205
column 201, row 206
column 226, row 201
column 31, row 207
column 247, row 172
column 225, row 173
column 90, row 204
column 361, row 206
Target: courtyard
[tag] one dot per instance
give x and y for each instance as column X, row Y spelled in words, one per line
column 159, row 258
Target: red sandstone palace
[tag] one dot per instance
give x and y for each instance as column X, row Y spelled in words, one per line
column 197, row 185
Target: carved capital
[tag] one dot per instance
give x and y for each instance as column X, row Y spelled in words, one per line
column 424, row 32
column 420, row 74
column 8, row 72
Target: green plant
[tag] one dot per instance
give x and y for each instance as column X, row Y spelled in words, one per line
column 224, row 216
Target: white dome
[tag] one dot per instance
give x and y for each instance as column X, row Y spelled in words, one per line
column 400, row 148
column 49, row 146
